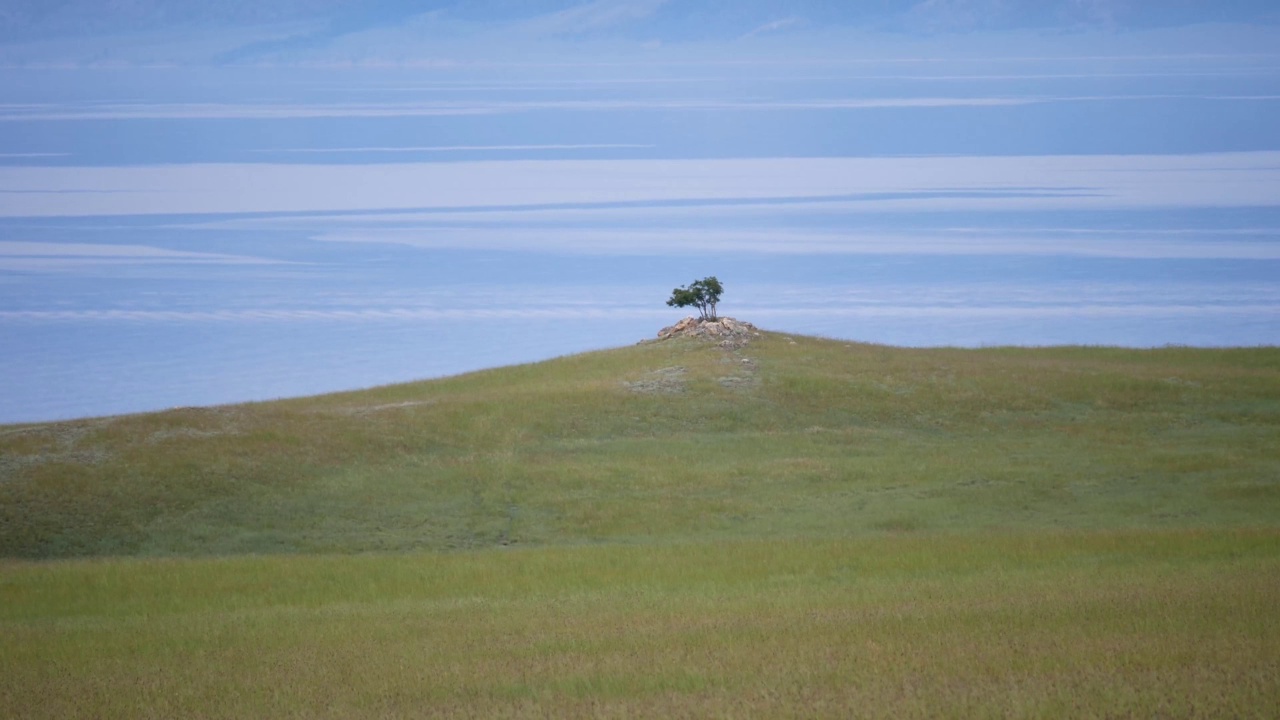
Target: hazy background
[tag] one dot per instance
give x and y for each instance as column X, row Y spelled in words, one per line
column 204, row 203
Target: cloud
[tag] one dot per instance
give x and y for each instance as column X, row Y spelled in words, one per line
column 789, row 303
column 456, row 148
column 670, row 241
column 264, row 111
column 1067, row 310
column 592, row 17
column 957, row 14
column 227, row 111
column 1084, row 182
column 330, row 315
column 775, row 26
column 344, row 32
column 54, row 257
column 969, row 15
column 1072, row 311
column 1104, row 13
column 239, row 111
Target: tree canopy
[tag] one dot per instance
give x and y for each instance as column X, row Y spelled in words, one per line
column 703, row 294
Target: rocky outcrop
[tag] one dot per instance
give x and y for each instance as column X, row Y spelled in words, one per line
column 725, row 332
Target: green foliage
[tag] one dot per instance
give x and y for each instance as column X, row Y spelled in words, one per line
column 703, row 294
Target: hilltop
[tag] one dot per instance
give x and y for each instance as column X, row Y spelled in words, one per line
column 724, row 522
column 742, row 434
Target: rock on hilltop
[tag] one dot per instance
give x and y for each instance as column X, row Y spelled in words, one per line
column 726, row 331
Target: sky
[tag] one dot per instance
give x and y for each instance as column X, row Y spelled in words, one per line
column 204, row 203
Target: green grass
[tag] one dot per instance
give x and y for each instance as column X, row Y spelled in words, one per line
column 817, row 438
column 827, row 529
column 1170, row 624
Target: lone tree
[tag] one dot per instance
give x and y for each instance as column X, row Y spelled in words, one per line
column 703, row 294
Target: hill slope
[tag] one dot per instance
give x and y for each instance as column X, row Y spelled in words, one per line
column 671, row 441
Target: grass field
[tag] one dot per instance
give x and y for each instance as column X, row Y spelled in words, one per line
column 1168, row 624
column 800, row 527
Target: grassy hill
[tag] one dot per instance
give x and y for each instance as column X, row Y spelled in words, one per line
column 671, row 441
column 795, row 528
